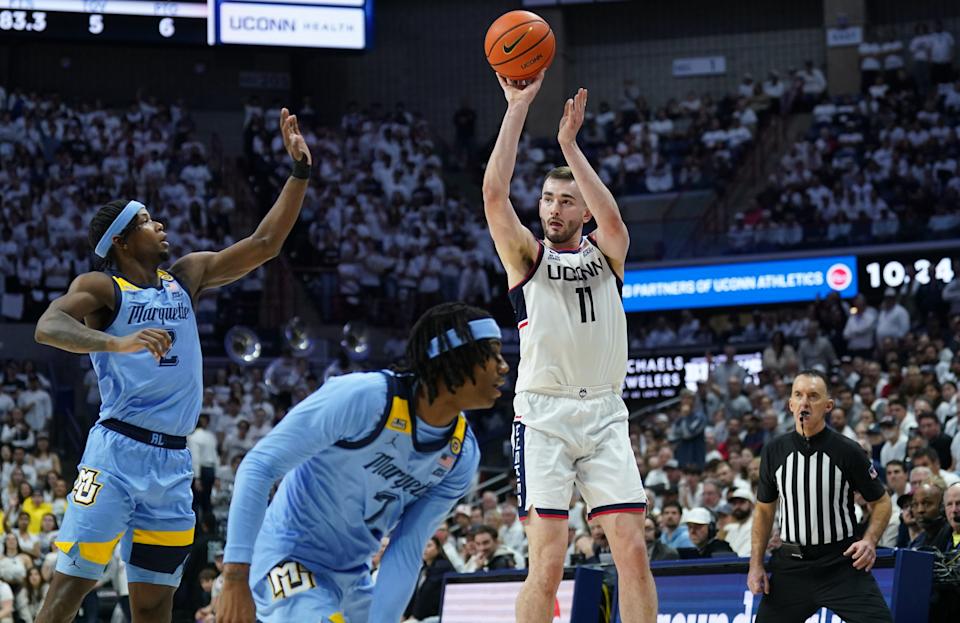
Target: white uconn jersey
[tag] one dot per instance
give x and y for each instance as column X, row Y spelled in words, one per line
column 573, row 330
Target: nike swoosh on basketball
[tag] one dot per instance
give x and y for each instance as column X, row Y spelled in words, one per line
column 507, row 49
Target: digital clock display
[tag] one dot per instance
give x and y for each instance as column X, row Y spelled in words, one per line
column 922, row 264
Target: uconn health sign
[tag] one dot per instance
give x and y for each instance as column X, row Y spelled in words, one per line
column 736, row 284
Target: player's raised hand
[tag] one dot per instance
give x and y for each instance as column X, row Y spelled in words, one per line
column 574, row 111
column 521, row 92
column 157, row 341
column 292, row 139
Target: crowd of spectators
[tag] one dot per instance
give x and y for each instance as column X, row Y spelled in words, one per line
column 60, row 160
column 380, row 237
column 875, row 168
column 33, row 490
column 383, row 237
column 683, row 144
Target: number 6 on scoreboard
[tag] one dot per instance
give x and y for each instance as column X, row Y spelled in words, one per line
column 167, row 28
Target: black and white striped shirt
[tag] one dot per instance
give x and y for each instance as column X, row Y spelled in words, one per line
column 815, row 485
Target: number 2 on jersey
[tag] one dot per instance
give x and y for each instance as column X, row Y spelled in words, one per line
column 584, row 294
column 174, row 360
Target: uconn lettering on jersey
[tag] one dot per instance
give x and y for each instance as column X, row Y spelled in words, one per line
column 142, row 313
column 384, row 467
column 574, row 273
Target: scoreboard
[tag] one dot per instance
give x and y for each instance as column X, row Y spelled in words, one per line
column 341, row 24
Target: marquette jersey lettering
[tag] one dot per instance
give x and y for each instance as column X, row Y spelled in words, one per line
column 163, row 396
column 573, row 330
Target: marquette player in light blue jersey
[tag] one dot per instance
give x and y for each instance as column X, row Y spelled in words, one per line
column 367, row 455
column 138, row 324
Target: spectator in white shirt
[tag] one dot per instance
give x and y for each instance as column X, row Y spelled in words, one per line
column 714, row 136
column 893, row 319
column 738, row 134
column 870, row 64
column 895, row 444
column 892, row 52
column 659, row 178
column 943, row 223
column 511, row 530
column 860, row 329
column 203, row 448
column 739, row 236
column 773, row 88
column 941, row 54
column 814, row 83
column 239, row 442
column 920, row 53
column 474, row 283
column 18, row 434
column 36, row 405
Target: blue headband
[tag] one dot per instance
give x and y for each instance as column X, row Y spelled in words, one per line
column 118, row 225
column 481, row 329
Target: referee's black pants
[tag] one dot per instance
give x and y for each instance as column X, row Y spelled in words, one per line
column 798, row 588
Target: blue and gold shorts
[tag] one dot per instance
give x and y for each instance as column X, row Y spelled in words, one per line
column 134, row 493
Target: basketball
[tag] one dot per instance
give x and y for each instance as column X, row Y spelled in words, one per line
column 519, row 45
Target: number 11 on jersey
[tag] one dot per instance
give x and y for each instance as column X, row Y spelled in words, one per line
column 584, row 294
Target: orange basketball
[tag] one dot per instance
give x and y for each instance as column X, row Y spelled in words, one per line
column 519, row 45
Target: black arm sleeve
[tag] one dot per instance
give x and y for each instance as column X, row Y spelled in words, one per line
column 767, row 490
column 860, row 471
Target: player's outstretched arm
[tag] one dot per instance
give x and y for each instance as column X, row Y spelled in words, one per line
column 404, row 556
column 62, row 324
column 346, row 407
column 204, row 270
column 611, row 234
column 515, row 244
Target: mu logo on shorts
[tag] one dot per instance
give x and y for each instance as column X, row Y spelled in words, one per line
column 289, row 578
column 86, row 488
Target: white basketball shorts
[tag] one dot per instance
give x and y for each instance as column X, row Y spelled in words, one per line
column 581, row 438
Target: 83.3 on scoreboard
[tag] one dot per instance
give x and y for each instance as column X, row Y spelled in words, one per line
column 132, row 21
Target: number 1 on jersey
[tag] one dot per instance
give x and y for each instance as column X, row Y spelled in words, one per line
column 584, row 294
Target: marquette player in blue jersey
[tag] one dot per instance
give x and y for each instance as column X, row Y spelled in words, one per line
column 137, row 321
column 369, row 454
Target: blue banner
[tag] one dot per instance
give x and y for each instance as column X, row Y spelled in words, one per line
column 748, row 283
column 724, row 598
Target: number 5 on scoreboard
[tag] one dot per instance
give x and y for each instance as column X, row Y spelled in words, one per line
column 96, row 24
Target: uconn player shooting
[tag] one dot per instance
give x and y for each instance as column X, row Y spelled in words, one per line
column 369, row 454
column 571, row 423
column 137, row 321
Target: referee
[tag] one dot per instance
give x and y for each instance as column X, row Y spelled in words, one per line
column 814, row 472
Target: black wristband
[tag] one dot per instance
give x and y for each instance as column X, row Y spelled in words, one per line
column 301, row 170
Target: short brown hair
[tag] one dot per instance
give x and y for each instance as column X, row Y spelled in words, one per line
column 560, row 173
